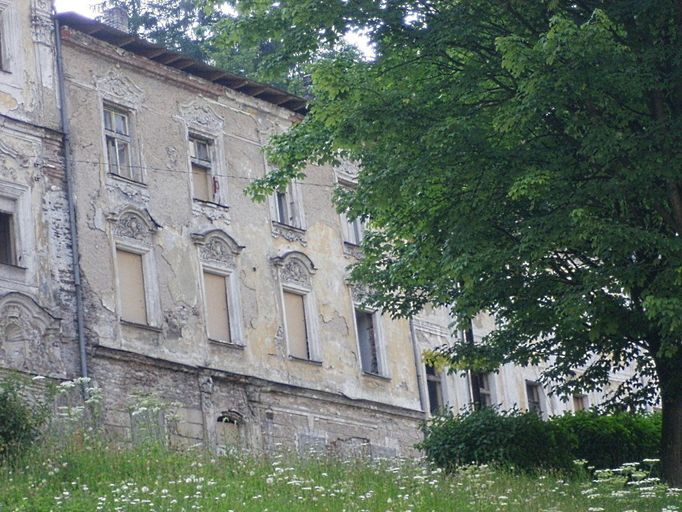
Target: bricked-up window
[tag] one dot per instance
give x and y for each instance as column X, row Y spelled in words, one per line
column 204, row 183
column 118, row 143
column 533, row 394
column 367, row 340
column 434, row 387
column 131, row 287
column 580, row 403
column 218, row 315
column 7, row 246
column 297, row 326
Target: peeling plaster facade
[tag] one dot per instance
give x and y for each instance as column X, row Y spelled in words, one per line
column 249, row 390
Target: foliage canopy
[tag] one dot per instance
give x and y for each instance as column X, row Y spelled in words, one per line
column 519, row 157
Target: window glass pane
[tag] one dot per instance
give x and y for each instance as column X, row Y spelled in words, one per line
column 131, row 287
column 367, row 341
column 107, row 120
column 121, row 123
column 6, row 239
column 202, row 152
column 216, row 307
column 112, row 155
column 282, row 208
column 297, row 334
column 124, row 168
column 200, row 183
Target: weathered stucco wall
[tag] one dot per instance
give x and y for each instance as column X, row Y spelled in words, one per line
column 163, row 106
column 36, row 282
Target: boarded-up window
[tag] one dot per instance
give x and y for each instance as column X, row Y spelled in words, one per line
column 367, row 341
column 131, row 287
column 216, row 307
column 297, row 332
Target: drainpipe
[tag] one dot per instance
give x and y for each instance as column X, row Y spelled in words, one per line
column 70, row 193
column 419, row 367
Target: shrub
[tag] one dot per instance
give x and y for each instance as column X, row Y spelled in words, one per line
column 525, row 441
column 20, row 421
column 514, row 438
column 608, row 441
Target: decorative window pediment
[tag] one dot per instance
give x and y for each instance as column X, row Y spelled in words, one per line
column 217, row 247
column 200, row 116
column 119, row 88
column 295, row 268
column 133, row 224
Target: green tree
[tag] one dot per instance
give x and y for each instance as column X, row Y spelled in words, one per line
column 522, row 157
column 203, row 31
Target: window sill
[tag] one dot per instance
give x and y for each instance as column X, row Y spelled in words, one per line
column 126, row 180
column 210, row 204
column 303, row 360
column 351, row 249
column 227, row 344
column 289, row 233
column 377, row 376
column 144, row 327
column 13, row 273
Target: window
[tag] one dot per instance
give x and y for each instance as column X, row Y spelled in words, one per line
column 533, row 394
column 118, row 143
column 354, row 230
column 286, row 206
column 131, row 287
column 295, row 272
column 434, row 387
column 297, row 329
column 484, row 389
column 135, row 269
column 205, row 185
column 218, row 317
column 7, row 248
column 367, row 340
column 580, row 403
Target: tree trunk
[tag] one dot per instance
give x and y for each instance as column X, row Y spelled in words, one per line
column 670, row 377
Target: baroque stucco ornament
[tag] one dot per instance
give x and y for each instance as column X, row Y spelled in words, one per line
column 119, row 88
column 295, row 268
column 199, row 115
column 217, row 247
column 134, row 226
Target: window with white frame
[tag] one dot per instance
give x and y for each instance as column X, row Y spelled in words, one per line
column 218, row 255
column 205, row 183
column 287, row 206
column 131, row 287
column 534, row 396
column 138, row 299
column 295, row 272
column 118, row 141
column 14, row 219
column 5, row 29
column 7, row 245
column 353, row 229
column 434, row 387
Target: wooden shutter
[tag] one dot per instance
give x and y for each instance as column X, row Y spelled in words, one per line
column 297, row 332
column 216, row 307
column 131, row 287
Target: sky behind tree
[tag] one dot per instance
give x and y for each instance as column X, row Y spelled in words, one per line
column 83, row 7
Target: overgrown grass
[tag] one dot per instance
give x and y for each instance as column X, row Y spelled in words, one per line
column 100, row 478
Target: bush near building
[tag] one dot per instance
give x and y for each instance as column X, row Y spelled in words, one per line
column 523, row 440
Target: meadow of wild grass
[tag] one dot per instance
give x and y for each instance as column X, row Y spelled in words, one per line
column 94, row 477
column 70, row 467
